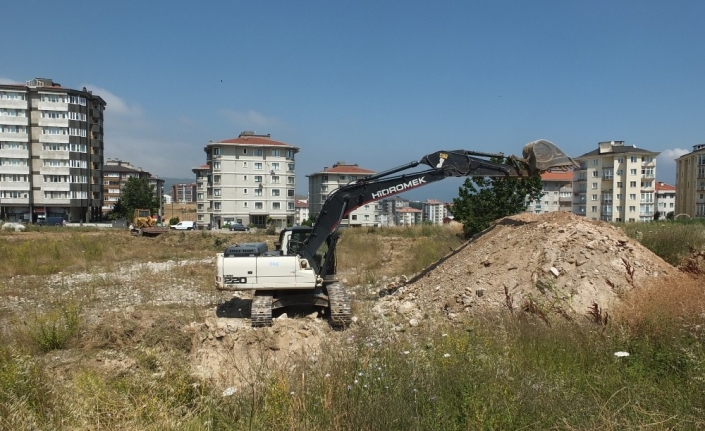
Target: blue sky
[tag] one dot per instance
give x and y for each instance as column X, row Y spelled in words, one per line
column 377, row 83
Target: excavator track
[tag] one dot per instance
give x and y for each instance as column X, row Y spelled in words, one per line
column 261, row 310
column 340, row 311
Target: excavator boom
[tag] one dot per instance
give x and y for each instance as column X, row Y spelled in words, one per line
column 537, row 156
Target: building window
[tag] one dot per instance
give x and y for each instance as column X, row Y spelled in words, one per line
column 216, row 205
column 594, row 186
column 275, row 192
column 275, row 179
column 594, row 197
column 216, row 166
column 275, row 166
column 633, row 159
column 258, row 205
column 632, row 171
column 290, row 205
column 632, row 183
column 276, row 205
column 216, row 151
column 620, row 160
column 290, row 193
column 632, row 209
column 275, row 153
column 290, row 154
column 258, row 178
column 258, row 192
column 290, row 166
column 620, row 185
column 258, row 166
column 244, row 191
column 244, row 204
column 632, row 196
column 258, row 152
column 216, row 192
column 595, row 162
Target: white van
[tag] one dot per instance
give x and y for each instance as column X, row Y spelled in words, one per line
column 184, row 225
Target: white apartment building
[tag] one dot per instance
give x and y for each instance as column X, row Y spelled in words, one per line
column 408, row 216
column 301, row 209
column 51, row 152
column 434, row 211
column 250, row 179
column 690, row 183
column 615, row 183
column 665, row 199
column 557, row 193
column 323, row 183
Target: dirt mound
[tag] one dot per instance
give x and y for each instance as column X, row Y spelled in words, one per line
column 548, row 264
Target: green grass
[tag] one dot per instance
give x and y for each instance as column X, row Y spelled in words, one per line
column 670, row 240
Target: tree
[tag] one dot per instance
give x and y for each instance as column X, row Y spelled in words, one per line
column 136, row 193
column 482, row 200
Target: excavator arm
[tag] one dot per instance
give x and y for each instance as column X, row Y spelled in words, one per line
column 538, row 156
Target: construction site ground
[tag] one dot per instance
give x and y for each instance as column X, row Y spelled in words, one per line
column 554, row 266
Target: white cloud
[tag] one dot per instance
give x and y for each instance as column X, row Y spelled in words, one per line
column 666, row 164
column 8, row 81
column 251, row 118
column 115, row 105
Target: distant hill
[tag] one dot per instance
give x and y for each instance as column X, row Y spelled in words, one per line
column 168, row 182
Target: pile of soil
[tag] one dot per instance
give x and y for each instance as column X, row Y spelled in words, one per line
column 549, row 264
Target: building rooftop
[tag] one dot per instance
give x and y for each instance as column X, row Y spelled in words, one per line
column 663, row 187
column 250, row 138
column 345, row 168
column 408, row 210
column 557, row 176
column 615, row 147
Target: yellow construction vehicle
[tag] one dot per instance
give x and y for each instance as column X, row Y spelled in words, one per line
column 143, row 224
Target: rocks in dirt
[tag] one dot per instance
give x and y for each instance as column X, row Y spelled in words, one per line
column 555, row 263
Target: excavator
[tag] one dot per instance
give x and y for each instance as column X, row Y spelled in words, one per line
column 302, row 270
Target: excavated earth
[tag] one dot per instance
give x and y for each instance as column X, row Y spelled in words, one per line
column 554, row 264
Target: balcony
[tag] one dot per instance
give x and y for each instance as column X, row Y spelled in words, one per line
column 607, row 177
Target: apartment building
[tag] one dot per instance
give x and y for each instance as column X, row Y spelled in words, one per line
column 301, row 209
column 665, row 199
column 184, row 193
column 389, row 207
column 250, row 179
column 323, row 183
column 51, row 152
column 615, row 183
column 434, row 211
column 116, row 173
column 556, row 193
column 690, row 183
column 408, row 216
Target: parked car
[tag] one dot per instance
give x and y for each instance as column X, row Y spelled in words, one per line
column 52, row 221
column 184, row 225
column 239, row 227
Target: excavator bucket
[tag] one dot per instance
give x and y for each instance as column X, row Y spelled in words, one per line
column 544, row 155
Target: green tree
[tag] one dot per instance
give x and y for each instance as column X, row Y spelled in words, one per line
column 137, row 193
column 482, row 200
